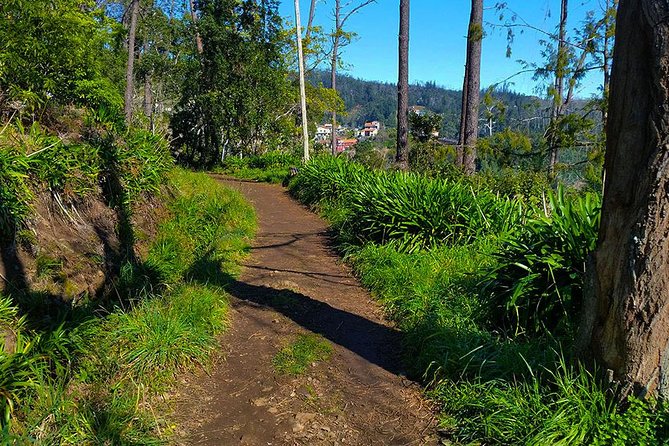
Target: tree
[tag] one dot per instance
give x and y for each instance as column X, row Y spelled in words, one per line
column 402, row 157
column 233, row 99
column 130, row 72
column 303, row 94
column 340, row 38
column 627, row 322
column 557, row 91
column 471, row 91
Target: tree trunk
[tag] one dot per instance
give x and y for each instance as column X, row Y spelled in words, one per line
column 630, row 276
column 472, row 87
column 130, row 68
column 459, row 149
column 558, row 93
column 402, row 157
column 333, row 72
column 198, row 38
column 303, row 94
column 312, row 14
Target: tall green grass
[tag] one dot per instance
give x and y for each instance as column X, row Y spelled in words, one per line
column 32, row 160
column 270, row 167
column 463, row 279
column 96, row 376
column 412, row 211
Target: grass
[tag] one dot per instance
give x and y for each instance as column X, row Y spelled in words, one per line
column 296, row 357
column 96, row 375
column 499, row 379
column 271, row 167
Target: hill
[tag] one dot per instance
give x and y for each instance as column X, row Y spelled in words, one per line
column 372, row 100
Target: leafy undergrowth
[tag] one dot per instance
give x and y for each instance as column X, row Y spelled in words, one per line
column 296, row 357
column 93, row 375
column 271, row 167
column 488, row 311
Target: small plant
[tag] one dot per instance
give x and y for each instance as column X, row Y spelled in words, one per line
column 47, row 266
column 296, row 357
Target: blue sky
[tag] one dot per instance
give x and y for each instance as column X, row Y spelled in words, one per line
column 438, row 40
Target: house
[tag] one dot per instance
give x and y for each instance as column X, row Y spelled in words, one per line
column 370, row 130
column 324, row 132
column 345, row 144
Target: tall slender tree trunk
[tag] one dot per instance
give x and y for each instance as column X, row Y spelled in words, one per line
column 472, row 88
column 460, row 148
column 130, row 67
column 198, row 38
column 558, row 89
column 629, row 325
column 312, row 14
column 303, row 94
column 402, row 156
column 333, row 72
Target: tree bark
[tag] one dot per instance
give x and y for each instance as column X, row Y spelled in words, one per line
column 130, row 67
column 198, row 38
column 472, row 86
column 558, row 93
column 630, row 276
column 312, row 14
column 402, row 156
column 333, row 72
column 303, row 94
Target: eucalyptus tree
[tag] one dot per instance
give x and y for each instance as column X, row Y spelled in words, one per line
column 471, row 91
column 402, row 156
column 303, row 94
column 341, row 38
column 626, row 324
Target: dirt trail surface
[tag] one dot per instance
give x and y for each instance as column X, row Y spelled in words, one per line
column 294, row 284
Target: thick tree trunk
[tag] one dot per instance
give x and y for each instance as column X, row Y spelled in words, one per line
column 130, row 67
column 402, row 157
column 630, row 333
column 472, row 87
column 558, row 93
column 303, row 94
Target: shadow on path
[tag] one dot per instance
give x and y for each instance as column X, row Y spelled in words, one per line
column 369, row 340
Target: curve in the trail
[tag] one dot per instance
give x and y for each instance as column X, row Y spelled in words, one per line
column 293, row 283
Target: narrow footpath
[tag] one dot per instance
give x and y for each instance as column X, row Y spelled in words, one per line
column 292, row 284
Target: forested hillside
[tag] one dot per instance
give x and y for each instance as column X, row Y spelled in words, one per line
column 371, row 100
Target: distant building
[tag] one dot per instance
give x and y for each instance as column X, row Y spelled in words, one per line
column 324, row 132
column 370, row 130
column 345, row 144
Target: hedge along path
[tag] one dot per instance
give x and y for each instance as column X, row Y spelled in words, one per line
column 294, row 284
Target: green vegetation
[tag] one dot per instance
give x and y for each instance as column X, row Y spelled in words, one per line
column 489, row 317
column 94, row 374
column 296, row 357
column 270, row 167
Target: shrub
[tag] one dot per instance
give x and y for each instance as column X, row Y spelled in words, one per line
column 537, row 283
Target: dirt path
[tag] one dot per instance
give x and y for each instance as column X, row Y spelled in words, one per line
column 293, row 284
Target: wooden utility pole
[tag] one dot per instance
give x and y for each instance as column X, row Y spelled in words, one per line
column 402, row 156
column 303, row 94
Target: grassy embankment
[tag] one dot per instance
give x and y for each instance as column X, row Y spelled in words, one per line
column 486, row 282
column 94, row 371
